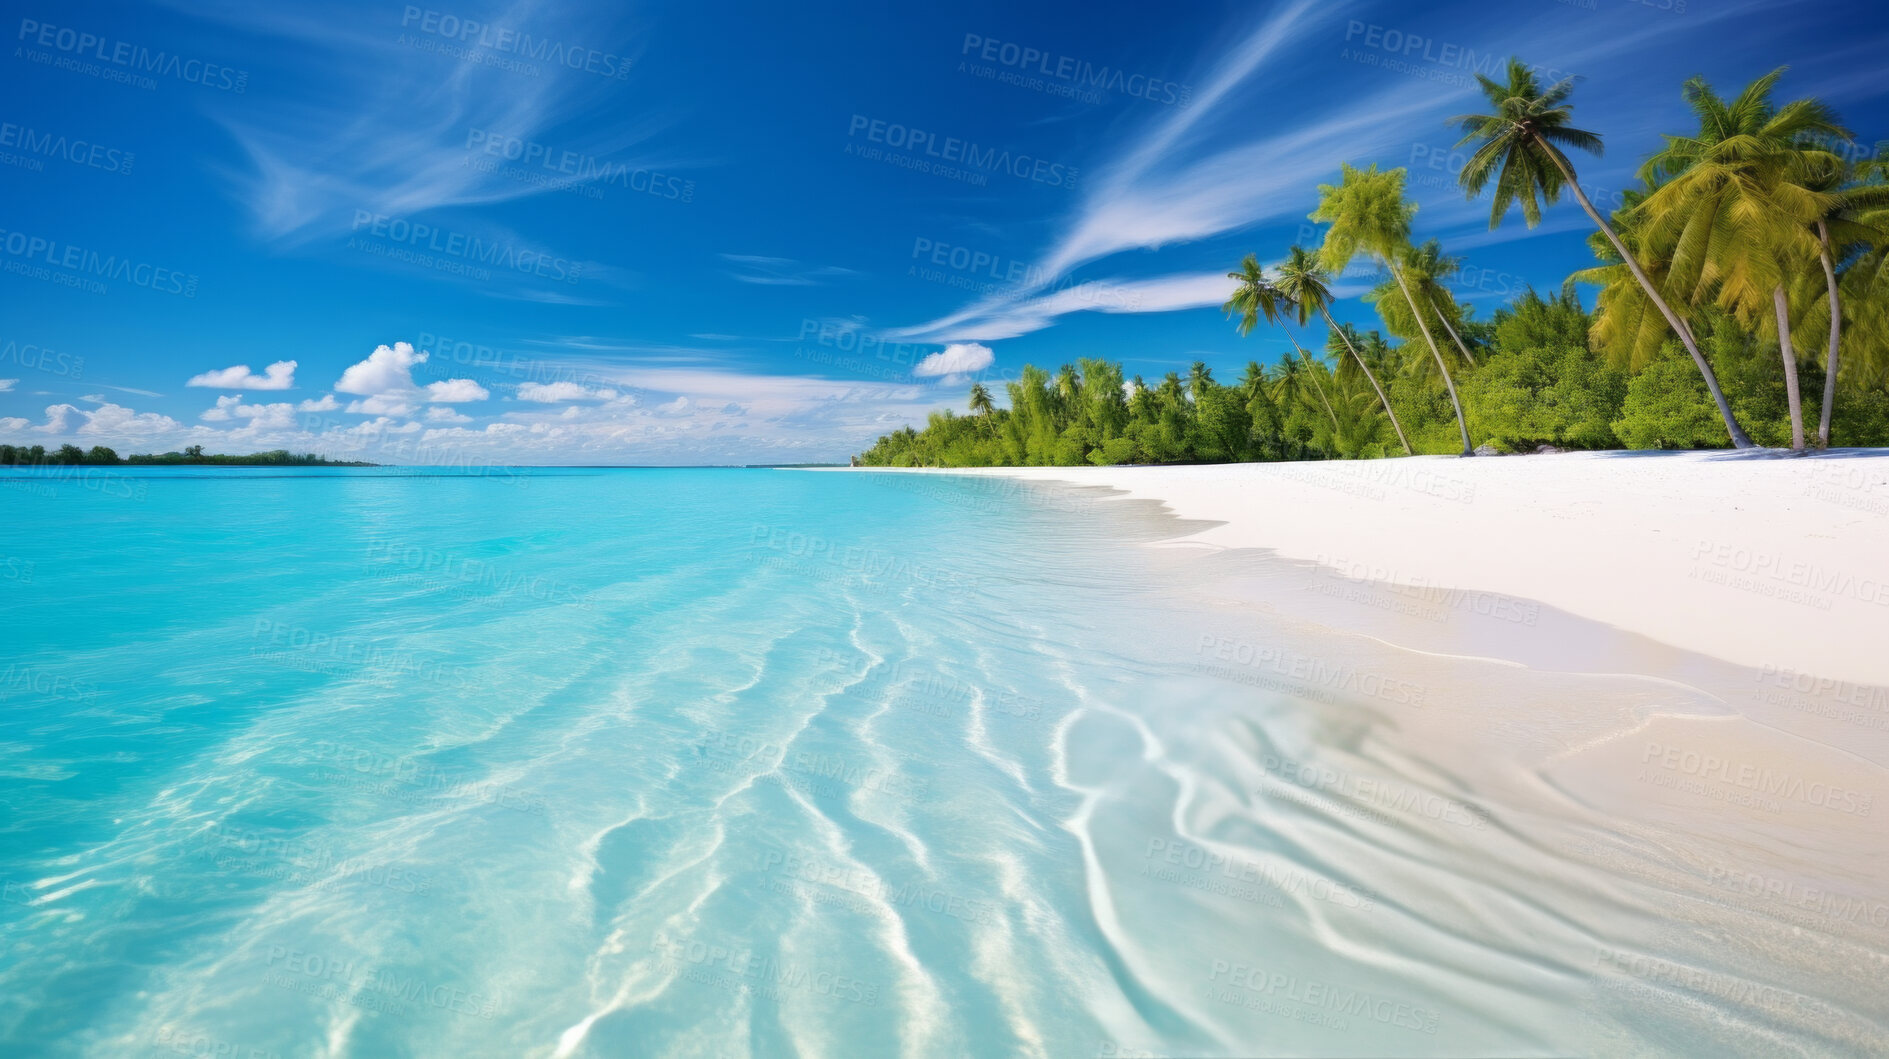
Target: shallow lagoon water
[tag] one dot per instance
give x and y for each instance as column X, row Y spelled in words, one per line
column 724, row 762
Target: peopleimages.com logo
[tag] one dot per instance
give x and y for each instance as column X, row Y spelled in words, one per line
column 1079, row 74
column 88, row 263
column 949, row 150
column 577, row 166
column 134, row 57
column 420, row 236
column 507, row 41
column 37, row 144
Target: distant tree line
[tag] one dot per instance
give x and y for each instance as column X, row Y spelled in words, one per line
column 99, row 455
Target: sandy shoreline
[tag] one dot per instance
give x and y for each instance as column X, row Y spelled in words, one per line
column 1571, row 723
column 1772, row 563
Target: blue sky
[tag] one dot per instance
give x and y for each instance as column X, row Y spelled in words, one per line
column 539, row 233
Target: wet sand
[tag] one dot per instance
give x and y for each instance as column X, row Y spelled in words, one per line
column 1462, row 821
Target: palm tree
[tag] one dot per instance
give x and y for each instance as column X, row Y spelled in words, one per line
column 1303, row 282
column 1199, row 377
column 1254, row 380
column 1257, row 295
column 1521, row 150
column 1848, row 231
column 1427, row 267
column 1865, row 287
column 981, row 404
column 1369, row 214
column 1288, row 387
column 1734, row 208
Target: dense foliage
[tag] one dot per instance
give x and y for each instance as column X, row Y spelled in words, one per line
column 1750, row 265
column 1537, row 382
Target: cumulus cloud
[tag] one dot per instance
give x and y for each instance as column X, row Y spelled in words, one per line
column 389, row 369
column 279, row 416
column 385, row 384
column 277, row 376
column 455, row 391
column 551, row 392
column 959, row 358
column 326, row 404
column 437, row 414
column 107, row 422
column 382, row 404
column 7, row 384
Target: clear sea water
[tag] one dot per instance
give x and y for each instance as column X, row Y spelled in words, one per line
column 720, row 762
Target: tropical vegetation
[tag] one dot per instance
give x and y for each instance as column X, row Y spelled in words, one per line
column 1741, row 298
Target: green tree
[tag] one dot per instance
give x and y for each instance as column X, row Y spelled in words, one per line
column 1368, row 214
column 1305, row 284
column 1733, row 213
column 1521, row 149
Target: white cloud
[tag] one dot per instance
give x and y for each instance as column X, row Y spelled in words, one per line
column 108, row 422
column 455, row 391
column 326, row 404
column 279, row 416
column 551, row 392
column 957, row 359
column 781, row 271
column 385, row 383
column 7, row 384
column 445, row 415
column 277, row 376
column 382, row 404
column 389, row 369
column 11, row 423
column 1184, row 290
column 224, row 410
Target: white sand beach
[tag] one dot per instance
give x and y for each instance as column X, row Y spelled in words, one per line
column 1761, row 560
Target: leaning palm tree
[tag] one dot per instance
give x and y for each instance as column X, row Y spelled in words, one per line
column 1734, row 211
column 1303, row 282
column 1257, row 295
column 1426, row 267
column 1521, row 150
column 1369, row 215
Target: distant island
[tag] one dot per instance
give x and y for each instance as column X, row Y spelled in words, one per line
column 99, row 455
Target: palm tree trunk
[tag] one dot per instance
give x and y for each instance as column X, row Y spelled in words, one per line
column 1383, row 400
column 1315, row 385
column 1783, row 307
column 1461, row 423
column 1836, row 324
column 1458, row 338
column 1740, row 440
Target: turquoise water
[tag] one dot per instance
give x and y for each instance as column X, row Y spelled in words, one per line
column 712, row 762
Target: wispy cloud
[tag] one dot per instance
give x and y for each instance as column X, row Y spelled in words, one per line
column 1187, row 290
column 781, row 271
column 405, row 131
column 1236, row 158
